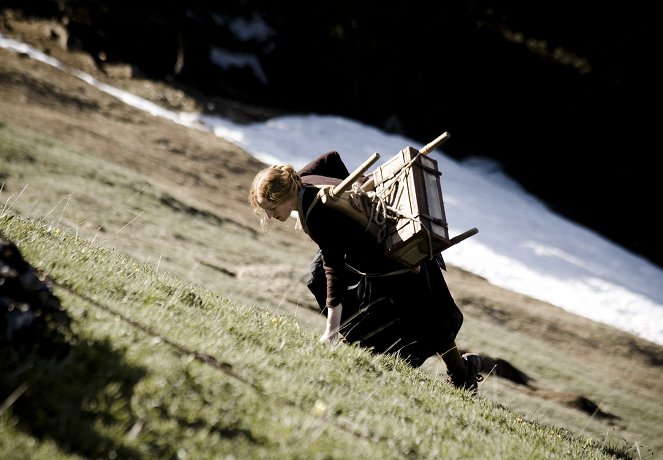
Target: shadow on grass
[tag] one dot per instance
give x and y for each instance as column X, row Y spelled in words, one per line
column 66, row 389
column 55, row 385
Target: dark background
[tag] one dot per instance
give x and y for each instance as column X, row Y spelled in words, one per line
column 563, row 94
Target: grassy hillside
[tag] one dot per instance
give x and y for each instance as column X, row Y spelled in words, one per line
column 162, row 368
column 166, row 361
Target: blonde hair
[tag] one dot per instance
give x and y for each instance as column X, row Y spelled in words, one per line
column 276, row 184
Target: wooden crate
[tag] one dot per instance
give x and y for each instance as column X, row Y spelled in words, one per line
column 415, row 191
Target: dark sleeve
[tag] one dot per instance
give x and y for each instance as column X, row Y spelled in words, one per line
column 330, row 240
column 328, row 164
column 330, row 229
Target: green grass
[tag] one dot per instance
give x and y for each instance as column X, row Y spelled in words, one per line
column 162, row 368
column 115, row 208
column 180, row 348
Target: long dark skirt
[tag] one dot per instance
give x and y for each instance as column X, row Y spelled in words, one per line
column 411, row 315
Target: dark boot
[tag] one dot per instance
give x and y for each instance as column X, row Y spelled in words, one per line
column 465, row 374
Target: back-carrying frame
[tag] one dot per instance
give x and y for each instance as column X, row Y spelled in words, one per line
column 401, row 204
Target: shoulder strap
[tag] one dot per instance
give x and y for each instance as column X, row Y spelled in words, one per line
column 300, row 205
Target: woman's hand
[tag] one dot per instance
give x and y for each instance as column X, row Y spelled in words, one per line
column 331, row 334
column 329, row 337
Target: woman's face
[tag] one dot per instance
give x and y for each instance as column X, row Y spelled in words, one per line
column 280, row 211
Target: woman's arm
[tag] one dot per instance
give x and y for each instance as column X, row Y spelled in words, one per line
column 333, row 324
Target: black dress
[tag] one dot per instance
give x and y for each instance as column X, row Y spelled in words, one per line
column 385, row 307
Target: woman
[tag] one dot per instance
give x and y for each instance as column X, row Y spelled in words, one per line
column 367, row 297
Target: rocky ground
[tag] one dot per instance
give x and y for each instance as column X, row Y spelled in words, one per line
column 187, row 162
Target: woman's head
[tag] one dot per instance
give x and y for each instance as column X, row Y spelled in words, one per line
column 274, row 191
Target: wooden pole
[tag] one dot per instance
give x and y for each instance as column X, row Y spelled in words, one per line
column 343, row 186
column 435, row 144
column 337, row 199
